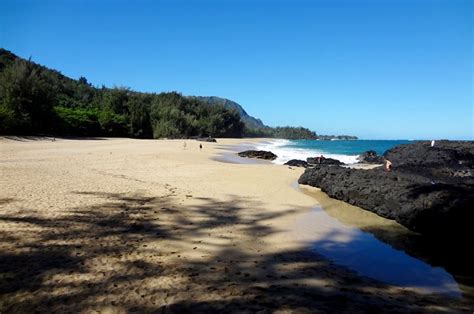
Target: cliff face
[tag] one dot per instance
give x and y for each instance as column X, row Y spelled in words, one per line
column 430, row 190
column 250, row 122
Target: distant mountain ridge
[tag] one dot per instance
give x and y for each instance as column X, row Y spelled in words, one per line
column 255, row 126
column 249, row 121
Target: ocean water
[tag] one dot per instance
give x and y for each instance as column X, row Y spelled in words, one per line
column 399, row 260
column 345, row 151
column 391, row 255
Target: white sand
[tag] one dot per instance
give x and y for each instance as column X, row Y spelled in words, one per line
column 121, row 224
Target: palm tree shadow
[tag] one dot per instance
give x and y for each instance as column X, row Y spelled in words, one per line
column 150, row 254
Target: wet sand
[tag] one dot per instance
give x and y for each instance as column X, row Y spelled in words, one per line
column 122, row 225
column 453, row 255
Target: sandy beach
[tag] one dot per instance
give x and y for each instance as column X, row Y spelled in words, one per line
column 123, row 225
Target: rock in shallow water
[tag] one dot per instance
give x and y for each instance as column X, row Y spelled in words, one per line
column 260, row 154
column 297, row 163
column 430, row 190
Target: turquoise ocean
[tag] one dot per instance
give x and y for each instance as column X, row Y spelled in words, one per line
column 345, row 151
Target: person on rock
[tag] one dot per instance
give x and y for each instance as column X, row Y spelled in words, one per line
column 388, row 165
column 320, row 159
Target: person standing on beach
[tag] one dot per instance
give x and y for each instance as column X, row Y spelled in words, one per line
column 184, row 145
column 200, row 146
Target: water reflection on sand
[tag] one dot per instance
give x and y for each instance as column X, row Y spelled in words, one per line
column 346, row 235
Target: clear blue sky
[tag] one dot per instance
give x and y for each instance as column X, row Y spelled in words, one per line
column 376, row 69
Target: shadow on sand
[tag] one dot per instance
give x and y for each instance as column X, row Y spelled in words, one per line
column 4, row 201
column 149, row 254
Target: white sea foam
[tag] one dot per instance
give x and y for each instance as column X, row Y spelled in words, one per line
column 286, row 153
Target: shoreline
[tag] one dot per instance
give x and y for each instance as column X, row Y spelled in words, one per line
column 386, row 237
column 348, row 218
column 152, row 225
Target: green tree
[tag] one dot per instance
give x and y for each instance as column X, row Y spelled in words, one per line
column 26, row 99
column 139, row 113
column 35, row 99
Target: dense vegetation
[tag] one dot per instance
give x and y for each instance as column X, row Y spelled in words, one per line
column 337, row 137
column 293, row 133
column 255, row 128
column 250, row 122
column 35, row 100
column 286, row 132
column 38, row 100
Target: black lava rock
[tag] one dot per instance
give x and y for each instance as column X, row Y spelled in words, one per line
column 206, row 139
column 371, row 157
column 297, row 163
column 260, row 154
column 323, row 161
column 430, row 190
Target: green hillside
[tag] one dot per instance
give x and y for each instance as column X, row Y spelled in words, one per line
column 38, row 100
column 250, row 122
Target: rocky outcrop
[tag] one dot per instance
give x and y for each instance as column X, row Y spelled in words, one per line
column 323, row 161
column 451, row 161
column 297, row 163
column 260, row 154
column 206, row 139
column 430, row 190
column 370, row 157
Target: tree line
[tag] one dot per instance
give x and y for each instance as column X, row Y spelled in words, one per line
column 286, row 132
column 38, row 100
